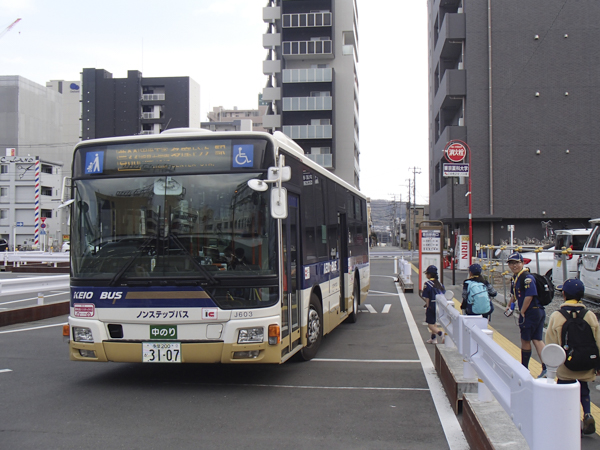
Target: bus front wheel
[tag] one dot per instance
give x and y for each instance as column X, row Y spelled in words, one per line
column 314, row 329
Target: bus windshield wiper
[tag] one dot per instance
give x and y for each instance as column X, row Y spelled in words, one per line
column 202, row 269
column 129, row 263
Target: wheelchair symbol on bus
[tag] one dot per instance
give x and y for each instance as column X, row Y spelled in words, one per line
column 244, row 156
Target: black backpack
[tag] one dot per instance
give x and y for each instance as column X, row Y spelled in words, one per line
column 544, row 287
column 577, row 339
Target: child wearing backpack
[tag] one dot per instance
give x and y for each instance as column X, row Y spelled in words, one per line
column 575, row 329
column 477, row 294
column 431, row 288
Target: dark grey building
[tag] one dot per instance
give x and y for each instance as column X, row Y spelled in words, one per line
column 136, row 105
column 518, row 82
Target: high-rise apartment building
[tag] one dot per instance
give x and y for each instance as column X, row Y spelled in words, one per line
column 136, row 105
column 517, row 81
column 312, row 87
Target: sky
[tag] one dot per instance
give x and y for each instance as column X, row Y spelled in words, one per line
column 218, row 43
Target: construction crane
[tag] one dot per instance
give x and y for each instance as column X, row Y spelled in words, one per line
column 9, row 28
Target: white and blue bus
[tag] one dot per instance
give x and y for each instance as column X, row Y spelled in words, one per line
column 200, row 247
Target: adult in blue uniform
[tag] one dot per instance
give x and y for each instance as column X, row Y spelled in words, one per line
column 431, row 288
column 532, row 314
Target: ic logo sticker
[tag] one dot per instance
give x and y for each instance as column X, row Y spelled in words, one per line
column 210, row 313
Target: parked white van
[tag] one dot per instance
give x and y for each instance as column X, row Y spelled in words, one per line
column 589, row 264
column 575, row 240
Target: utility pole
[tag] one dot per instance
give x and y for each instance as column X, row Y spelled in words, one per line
column 414, row 229
column 408, row 228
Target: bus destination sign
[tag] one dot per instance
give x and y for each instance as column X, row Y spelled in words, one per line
column 172, row 157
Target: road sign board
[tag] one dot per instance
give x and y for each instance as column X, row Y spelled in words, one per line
column 455, row 152
column 43, row 226
column 43, row 232
column 456, row 170
column 20, row 224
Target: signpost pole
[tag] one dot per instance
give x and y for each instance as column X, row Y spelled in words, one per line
column 453, row 238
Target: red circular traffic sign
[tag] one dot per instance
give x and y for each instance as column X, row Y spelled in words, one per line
column 456, row 152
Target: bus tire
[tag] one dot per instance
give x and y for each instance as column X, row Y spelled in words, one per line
column 355, row 301
column 314, row 329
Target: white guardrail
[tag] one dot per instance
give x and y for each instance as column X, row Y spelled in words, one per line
column 33, row 284
column 546, row 413
column 18, row 258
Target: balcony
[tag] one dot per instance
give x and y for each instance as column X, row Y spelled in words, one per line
column 450, row 133
column 305, row 20
column 308, row 131
column 271, row 66
column 271, row 40
column 451, row 37
column 152, row 97
column 307, row 75
column 314, row 49
column 452, row 90
column 271, row 14
column 271, row 94
column 150, row 115
column 307, row 103
column 323, row 160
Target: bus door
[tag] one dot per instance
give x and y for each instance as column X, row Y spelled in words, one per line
column 342, row 245
column 290, row 310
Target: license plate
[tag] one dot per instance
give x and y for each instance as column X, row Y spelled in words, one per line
column 161, row 352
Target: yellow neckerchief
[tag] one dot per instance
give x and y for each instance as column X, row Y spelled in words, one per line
column 517, row 279
column 574, row 302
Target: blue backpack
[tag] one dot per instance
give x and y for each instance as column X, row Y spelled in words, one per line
column 477, row 298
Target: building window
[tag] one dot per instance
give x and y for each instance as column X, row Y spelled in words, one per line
column 46, row 191
column 4, row 168
column 46, row 168
column 3, row 213
column 47, row 213
column 3, row 192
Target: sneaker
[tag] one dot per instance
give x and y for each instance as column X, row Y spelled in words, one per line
column 543, row 374
column 431, row 341
column 589, row 424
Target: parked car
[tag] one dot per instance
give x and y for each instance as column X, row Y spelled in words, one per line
column 589, row 263
column 66, row 247
column 3, row 245
column 546, row 260
column 575, row 240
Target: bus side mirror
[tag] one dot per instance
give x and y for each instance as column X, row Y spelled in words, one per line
column 279, row 208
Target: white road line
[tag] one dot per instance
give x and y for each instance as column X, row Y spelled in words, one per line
column 386, row 308
column 5, row 370
column 34, row 328
column 33, row 298
column 454, row 434
column 370, row 308
column 395, row 361
column 382, row 293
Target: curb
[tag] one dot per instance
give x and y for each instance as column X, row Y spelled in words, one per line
column 34, row 313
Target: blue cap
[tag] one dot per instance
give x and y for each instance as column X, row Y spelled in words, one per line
column 432, row 270
column 516, row 256
column 573, row 288
column 475, row 269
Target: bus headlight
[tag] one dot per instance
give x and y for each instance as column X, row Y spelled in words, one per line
column 251, row 335
column 81, row 334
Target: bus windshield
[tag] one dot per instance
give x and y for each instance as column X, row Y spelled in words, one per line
column 172, row 227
